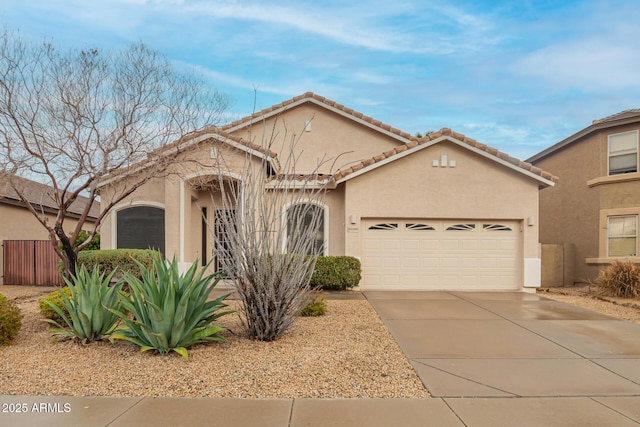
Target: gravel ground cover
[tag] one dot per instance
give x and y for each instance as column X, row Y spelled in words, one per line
column 586, row 296
column 347, row 353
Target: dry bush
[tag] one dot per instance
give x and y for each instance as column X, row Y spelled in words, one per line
column 271, row 234
column 620, row 279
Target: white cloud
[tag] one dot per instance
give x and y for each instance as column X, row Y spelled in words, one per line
column 405, row 27
column 594, row 50
column 589, row 64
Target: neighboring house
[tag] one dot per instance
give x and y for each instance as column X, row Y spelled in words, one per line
column 596, row 204
column 439, row 212
column 18, row 223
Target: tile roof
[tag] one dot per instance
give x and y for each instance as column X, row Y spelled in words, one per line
column 626, row 114
column 622, row 118
column 446, row 133
column 41, row 195
column 407, row 140
column 209, row 133
column 217, row 133
column 312, row 97
column 412, row 141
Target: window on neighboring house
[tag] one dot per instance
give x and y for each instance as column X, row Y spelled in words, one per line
column 623, row 236
column 623, row 153
column 306, row 220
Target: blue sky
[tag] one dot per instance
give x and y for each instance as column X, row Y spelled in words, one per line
column 516, row 75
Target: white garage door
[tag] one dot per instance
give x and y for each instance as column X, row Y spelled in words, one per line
column 441, row 254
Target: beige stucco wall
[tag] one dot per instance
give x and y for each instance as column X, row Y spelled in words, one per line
column 476, row 188
column 17, row 223
column 150, row 194
column 329, row 132
column 558, row 262
column 569, row 211
column 186, row 190
column 575, row 210
column 409, row 187
column 333, row 140
column 335, row 200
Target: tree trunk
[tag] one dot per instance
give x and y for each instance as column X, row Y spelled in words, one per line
column 70, row 258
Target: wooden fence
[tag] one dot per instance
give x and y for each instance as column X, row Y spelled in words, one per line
column 30, row 262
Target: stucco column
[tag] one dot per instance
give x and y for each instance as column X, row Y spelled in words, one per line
column 172, row 217
column 531, row 254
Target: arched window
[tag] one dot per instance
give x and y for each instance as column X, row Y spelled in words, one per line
column 306, row 229
column 141, row 227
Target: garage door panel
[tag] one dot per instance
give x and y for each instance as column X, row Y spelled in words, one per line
column 489, row 262
column 370, row 261
column 391, row 263
column 470, row 245
column 450, row 244
column 449, row 262
column 410, row 262
column 411, row 245
column 428, row 263
column 372, row 244
column 427, row 256
column 471, row 262
column 508, row 245
column 429, row 244
column 506, row 264
column 392, row 245
column 490, row 245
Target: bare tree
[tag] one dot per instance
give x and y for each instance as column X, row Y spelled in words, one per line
column 70, row 118
column 273, row 220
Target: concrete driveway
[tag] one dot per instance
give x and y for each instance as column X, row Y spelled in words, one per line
column 490, row 345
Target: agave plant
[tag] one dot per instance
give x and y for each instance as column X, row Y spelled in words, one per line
column 170, row 311
column 88, row 311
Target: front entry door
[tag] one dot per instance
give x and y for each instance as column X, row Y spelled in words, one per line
column 224, row 223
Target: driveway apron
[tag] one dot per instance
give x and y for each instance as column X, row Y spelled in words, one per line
column 511, row 344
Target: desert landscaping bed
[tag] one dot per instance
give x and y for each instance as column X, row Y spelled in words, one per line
column 347, row 353
column 586, row 296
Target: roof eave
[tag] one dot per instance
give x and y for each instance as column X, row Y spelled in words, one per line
column 188, row 143
column 596, row 126
column 310, row 99
column 544, row 182
column 43, row 208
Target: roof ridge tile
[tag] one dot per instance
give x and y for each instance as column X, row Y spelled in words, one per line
column 325, row 101
column 446, row 132
column 619, row 115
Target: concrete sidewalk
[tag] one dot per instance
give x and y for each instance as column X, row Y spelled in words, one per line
column 154, row 412
column 488, row 359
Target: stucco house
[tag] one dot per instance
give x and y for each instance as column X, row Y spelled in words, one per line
column 18, row 223
column 439, row 212
column 595, row 206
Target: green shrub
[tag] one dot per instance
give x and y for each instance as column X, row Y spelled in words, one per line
column 124, row 260
column 314, row 305
column 3, row 298
column 83, row 236
column 336, row 273
column 620, row 279
column 89, row 314
column 170, row 310
column 10, row 321
column 55, row 298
